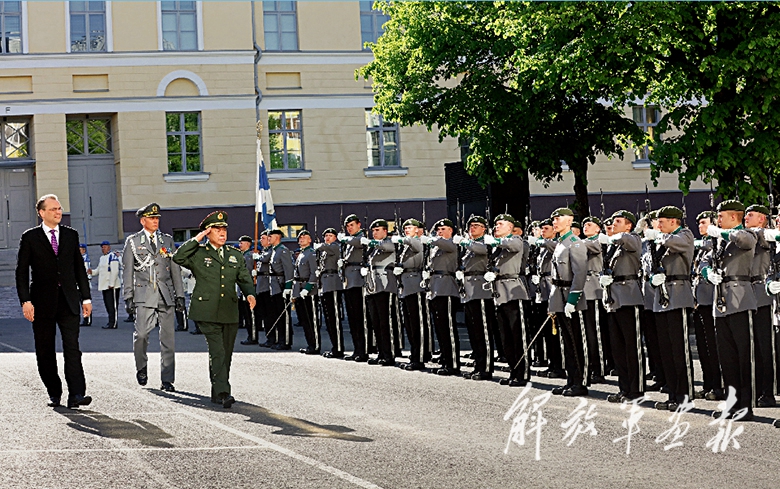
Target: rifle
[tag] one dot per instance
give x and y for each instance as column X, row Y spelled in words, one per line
column 717, row 258
column 656, row 255
column 342, row 247
column 603, row 210
column 685, row 213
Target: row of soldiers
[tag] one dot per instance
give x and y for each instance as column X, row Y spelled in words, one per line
column 580, row 299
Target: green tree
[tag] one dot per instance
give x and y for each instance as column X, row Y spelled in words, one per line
column 478, row 72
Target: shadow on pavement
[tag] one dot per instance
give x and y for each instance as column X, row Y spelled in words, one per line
column 287, row 426
column 95, row 423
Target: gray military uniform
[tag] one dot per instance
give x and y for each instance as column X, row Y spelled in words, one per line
column 677, row 262
column 736, row 262
column 592, row 288
column 153, row 281
column 760, row 267
column 412, row 262
column 329, row 268
column 569, row 265
column 510, row 257
column 475, row 263
column 625, row 265
column 544, row 267
column 703, row 290
column 381, row 260
column 281, row 269
column 444, row 263
column 263, row 271
column 353, row 261
column 305, row 272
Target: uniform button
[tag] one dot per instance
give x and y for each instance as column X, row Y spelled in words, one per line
column 223, row 276
column 222, row 295
column 223, row 286
column 223, row 268
column 200, row 298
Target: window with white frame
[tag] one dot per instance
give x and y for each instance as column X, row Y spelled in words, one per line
column 10, row 27
column 371, row 22
column 183, row 130
column 179, row 26
column 381, row 141
column 15, row 143
column 280, row 25
column 87, row 27
column 285, row 138
column 646, row 117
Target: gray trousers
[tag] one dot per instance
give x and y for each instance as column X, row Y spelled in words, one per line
column 146, row 318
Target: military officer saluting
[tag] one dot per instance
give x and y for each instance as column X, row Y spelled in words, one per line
column 153, row 288
column 330, row 290
column 218, row 269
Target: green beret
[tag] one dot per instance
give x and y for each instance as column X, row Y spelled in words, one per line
column 670, row 212
column 412, row 222
column 608, row 221
column 545, row 222
column 245, row 238
column 706, row 215
column 379, row 223
column 535, row 224
column 444, row 222
column 478, row 220
column 562, row 211
column 758, row 208
column 652, row 215
column 576, row 224
column 625, row 215
column 217, row 219
column 304, row 232
column 151, row 210
column 277, row 232
column 351, row 218
column 593, row 219
column 266, row 232
column 329, row 231
column 504, row 217
column 731, row 205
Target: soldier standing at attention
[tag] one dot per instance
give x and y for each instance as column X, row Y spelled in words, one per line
column 380, row 288
column 281, row 270
column 330, row 287
column 245, row 317
column 727, row 267
column 263, row 288
column 569, row 270
column 354, row 296
column 595, row 241
column 305, row 294
column 671, row 281
column 414, row 313
column 218, row 269
column 153, row 288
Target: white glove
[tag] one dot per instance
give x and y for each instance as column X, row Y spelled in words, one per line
column 658, row 279
column 364, row 241
column 569, row 309
column 287, row 293
column 396, row 239
column 714, row 277
column 341, row 236
column 772, row 234
column 714, row 231
column 457, row 239
column 605, row 280
column 603, row 238
column 773, row 287
column 651, row 234
column 254, row 273
column 317, row 273
column 532, row 241
column 535, row 279
column 465, row 242
column 459, row 275
column 340, row 263
column 304, row 293
column 615, row 237
column 364, row 271
column 489, row 276
column 490, row 240
column 317, row 246
column 426, row 275
column 255, row 256
column 697, row 243
column 398, row 271
column 426, row 239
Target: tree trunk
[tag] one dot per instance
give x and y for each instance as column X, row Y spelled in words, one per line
column 581, row 207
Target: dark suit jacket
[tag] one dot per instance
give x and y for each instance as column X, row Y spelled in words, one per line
column 66, row 268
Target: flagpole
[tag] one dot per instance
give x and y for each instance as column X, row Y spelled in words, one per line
column 259, row 128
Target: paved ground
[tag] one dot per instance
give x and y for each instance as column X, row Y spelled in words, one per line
column 306, row 421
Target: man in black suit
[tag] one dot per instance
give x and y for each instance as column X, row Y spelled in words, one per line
column 58, row 294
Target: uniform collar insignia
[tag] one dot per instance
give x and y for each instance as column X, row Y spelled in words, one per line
column 563, row 238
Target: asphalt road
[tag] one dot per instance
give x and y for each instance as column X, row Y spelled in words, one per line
column 306, row 421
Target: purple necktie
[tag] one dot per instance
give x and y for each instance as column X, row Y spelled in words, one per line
column 54, row 243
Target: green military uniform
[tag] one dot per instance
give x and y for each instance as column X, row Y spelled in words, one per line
column 214, row 305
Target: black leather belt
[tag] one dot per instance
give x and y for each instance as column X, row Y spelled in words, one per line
column 672, row 278
column 545, row 274
column 438, row 272
column 329, row 270
column 561, row 283
column 736, row 278
column 382, row 268
column 623, row 278
column 474, row 273
column 758, row 278
column 508, row 276
column 354, row 264
column 302, row 280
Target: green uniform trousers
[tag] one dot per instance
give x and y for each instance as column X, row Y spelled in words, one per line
column 220, row 338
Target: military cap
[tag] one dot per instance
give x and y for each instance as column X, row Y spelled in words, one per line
column 652, row 215
column 562, row 211
column 731, row 205
column 412, row 222
column 83, row 245
column 545, row 222
column 379, row 223
column 625, row 215
column 266, row 232
column 535, row 224
column 277, row 232
column 103, row 243
column 443, row 222
column 608, row 221
column 504, row 217
column 706, row 215
column 477, row 219
column 303, row 232
column 245, row 238
column 670, row 212
column 758, row 208
column 593, row 219
column 329, row 231
column 216, row 219
column 576, row 224
column 351, row 218
column 151, row 210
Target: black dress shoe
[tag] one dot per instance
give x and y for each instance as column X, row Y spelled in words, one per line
column 54, row 402
column 576, row 391
column 556, row 374
column 715, row 395
column 373, row 361
column 517, row 382
column 167, row 387
column 267, row 344
column 228, row 401
column 311, row 351
column 360, row 358
column 282, row 347
column 331, row 354
column 467, row 375
column 766, row 401
column 663, row 405
column 655, row 387
column 702, row 394
column 414, row 366
column 616, row 398
column 598, row 379
column 246, row 341
column 539, row 363
column 303, row 350
column 141, row 376
column 110, row 326
column 386, row 363
column 76, row 401
column 673, row 406
column 447, row 371
column 557, row 391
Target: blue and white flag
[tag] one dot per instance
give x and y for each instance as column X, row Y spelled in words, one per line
column 265, row 204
